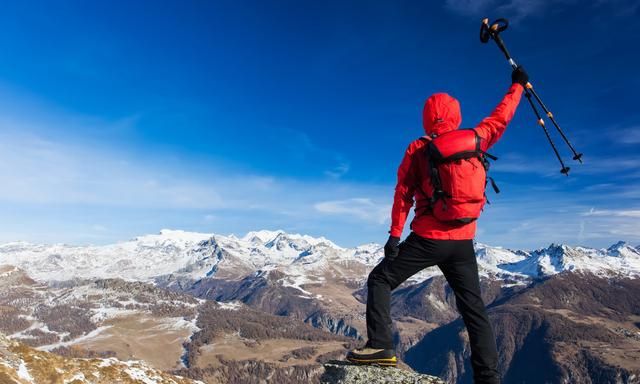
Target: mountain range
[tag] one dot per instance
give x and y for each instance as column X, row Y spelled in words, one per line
column 300, row 257
column 275, row 304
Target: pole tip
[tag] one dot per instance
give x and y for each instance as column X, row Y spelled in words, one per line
column 565, row 171
column 578, row 157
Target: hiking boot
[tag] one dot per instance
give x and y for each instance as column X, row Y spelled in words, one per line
column 375, row 356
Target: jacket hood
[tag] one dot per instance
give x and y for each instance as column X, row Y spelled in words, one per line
column 441, row 114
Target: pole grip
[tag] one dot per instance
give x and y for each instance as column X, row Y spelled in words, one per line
column 489, row 31
column 503, row 48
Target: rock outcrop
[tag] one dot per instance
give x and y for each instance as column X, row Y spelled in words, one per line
column 341, row 372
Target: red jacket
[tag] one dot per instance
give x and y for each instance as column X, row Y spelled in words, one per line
column 442, row 114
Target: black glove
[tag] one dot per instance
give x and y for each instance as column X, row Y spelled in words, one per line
column 391, row 248
column 520, row 76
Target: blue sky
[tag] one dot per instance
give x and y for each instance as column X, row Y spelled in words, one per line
column 122, row 118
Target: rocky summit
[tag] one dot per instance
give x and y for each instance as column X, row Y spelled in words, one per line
column 341, row 372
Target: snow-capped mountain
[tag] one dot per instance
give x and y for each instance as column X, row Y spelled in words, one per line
column 618, row 260
column 302, row 259
column 178, row 289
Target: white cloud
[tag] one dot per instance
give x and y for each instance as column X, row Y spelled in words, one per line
column 629, row 135
column 38, row 171
column 360, row 208
column 613, row 224
column 520, row 9
column 469, row 7
column 57, row 191
column 620, row 166
column 338, row 171
column 514, row 9
column 635, row 213
column 541, row 223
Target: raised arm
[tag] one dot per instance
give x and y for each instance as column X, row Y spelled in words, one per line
column 492, row 127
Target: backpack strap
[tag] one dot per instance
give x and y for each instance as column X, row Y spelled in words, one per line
column 480, row 150
column 487, row 154
column 436, row 182
column 434, row 174
column 484, row 155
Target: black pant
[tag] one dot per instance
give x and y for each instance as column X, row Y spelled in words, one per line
column 457, row 261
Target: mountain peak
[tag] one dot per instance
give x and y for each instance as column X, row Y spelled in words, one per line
column 623, row 250
column 618, row 245
column 557, row 247
column 271, row 238
column 174, row 235
column 262, row 236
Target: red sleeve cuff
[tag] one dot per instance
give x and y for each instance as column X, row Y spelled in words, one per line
column 395, row 232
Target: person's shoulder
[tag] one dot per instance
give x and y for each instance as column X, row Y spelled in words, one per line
column 417, row 144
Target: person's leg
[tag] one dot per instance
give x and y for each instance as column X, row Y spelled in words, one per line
column 461, row 272
column 416, row 253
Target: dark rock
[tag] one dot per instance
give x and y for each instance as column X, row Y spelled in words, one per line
column 341, row 372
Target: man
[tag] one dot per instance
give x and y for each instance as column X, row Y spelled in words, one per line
column 449, row 245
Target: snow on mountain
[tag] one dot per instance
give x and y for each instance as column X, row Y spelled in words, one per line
column 261, row 236
column 622, row 249
column 273, row 237
column 618, row 260
column 139, row 259
column 301, row 259
column 175, row 236
column 187, row 254
column 22, row 364
column 368, row 253
column 491, row 258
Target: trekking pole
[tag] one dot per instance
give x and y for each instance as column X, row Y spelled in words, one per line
column 493, row 31
column 576, row 156
column 565, row 169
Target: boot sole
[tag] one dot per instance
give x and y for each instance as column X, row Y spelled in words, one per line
column 391, row 362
